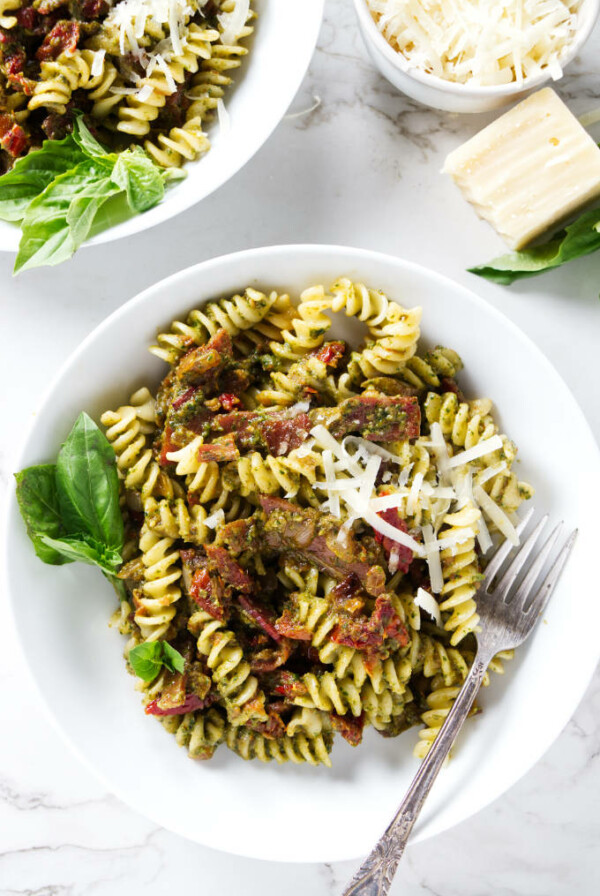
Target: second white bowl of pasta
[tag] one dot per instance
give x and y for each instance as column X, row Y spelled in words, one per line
column 197, row 86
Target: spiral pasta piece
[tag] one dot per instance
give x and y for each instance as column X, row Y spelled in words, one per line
column 6, row 7
column 230, row 671
column 426, row 372
column 309, row 375
column 440, row 703
column 279, row 317
column 60, row 77
column 380, row 708
column 461, row 574
column 306, row 582
column 507, row 491
column 155, row 607
column 316, row 616
column 391, row 675
column 181, row 144
column 199, row 732
column 299, row 748
column 203, row 478
column 395, row 343
column 129, row 430
column 309, row 721
column 253, row 474
column 429, row 656
column 240, row 312
column 174, row 519
column 308, row 328
column 465, row 424
column 370, row 306
column 16, row 104
column 330, row 694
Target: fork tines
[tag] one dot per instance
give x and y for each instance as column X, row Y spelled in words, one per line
column 525, row 606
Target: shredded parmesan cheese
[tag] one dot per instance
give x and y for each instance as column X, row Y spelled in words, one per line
column 427, row 602
column 496, row 515
column 334, row 499
column 432, row 555
column 215, row 519
column 370, row 517
column 483, row 536
column 97, row 66
column 480, row 42
column 480, row 450
column 225, row 127
column 132, row 18
column 233, row 22
column 144, row 93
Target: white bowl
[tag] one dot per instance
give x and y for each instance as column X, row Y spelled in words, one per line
column 447, row 95
column 280, row 51
column 294, row 813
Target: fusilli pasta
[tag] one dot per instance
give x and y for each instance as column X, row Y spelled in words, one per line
column 261, row 491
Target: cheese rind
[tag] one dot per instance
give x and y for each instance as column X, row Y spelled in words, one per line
column 528, row 170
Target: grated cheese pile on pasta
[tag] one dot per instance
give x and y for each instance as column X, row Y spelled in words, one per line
column 143, row 72
column 306, row 524
column 480, row 42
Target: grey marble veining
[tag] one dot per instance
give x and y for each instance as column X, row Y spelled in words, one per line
column 362, row 168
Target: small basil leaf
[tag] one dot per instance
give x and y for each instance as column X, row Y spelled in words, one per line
column 88, row 485
column 578, row 239
column 86, row 142
column 172, row 659
column 118, row 585
column 141, row 179
column 146, row 660
column 38, row 503
column 76, row 547
column 31, row 175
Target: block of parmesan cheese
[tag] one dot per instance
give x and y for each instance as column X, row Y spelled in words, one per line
column 528, row 170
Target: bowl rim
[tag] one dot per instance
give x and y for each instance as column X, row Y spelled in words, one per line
column 314, row 251
column 589, row 12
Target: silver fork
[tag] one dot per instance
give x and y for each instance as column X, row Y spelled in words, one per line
column 507, row 617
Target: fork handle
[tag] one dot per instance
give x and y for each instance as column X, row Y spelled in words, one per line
column 375, row 875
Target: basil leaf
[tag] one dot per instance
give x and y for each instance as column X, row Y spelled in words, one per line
column 58, row 190
column 84, row 208
column 86, row 142
column 148, row 658
column 142, row 180
column 578, row 239
column 118, row 585
column 172, row 659
column 48, row 235
column 86, row 550
column 145, row 660
column 33, row 173
column 88, row 485
column 38, row 504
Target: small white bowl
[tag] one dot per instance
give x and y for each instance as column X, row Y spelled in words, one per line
column 448, row 95
column 256, row 102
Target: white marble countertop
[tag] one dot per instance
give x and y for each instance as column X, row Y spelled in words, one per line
column 361, row 169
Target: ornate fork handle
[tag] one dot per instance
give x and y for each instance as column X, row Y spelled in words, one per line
column 375, row 875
